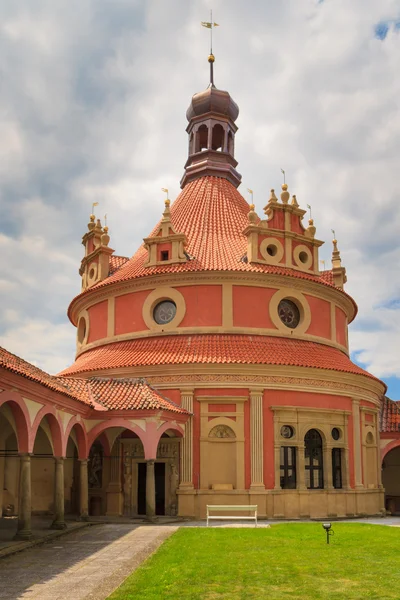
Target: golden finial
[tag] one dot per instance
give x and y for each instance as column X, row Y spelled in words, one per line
column 285, row 194
column 105, row 238
column 273, row 198
column 294, row 201
column 310, row 231
column 211, row 58
column 251, row 194
column 167, row 203
column 252, row 215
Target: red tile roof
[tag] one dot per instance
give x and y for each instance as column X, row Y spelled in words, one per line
column 124, row 394
column 108, row 394
column 17, row 365
column 327, row 277
column 116, row 263
column 213, row 349
column 213, row 215
column 390, row 415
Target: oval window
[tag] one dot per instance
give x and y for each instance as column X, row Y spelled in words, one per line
column 164, row 312
column 289, row 313
column 335, row 433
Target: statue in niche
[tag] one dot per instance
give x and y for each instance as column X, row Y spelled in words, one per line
column 174, row 482
column 222, row 431
column 96, row 467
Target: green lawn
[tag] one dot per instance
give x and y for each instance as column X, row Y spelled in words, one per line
column 286, row 561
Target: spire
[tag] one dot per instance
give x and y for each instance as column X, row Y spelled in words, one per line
column 211, row 115
column 95, row 265
column 339, row 272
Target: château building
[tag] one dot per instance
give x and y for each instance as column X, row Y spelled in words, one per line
column 212, row 367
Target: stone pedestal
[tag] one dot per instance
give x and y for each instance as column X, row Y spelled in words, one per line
column 24, row 530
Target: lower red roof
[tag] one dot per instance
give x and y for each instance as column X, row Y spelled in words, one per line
column 214, row 349
column 390, row 415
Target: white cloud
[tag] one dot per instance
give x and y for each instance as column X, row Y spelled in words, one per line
column 93, row 109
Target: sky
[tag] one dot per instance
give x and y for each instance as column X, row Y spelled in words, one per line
column 93, row 97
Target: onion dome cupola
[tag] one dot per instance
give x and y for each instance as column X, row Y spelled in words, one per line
column 212, row 115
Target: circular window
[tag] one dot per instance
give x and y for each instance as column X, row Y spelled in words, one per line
column 303, row 256
column 272, row 249
column 336, row 433
column 288, row 313
column 164, row 312
column 287, row 431
column 81, row 330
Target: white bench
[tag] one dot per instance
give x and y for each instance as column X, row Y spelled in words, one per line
column 224, row 508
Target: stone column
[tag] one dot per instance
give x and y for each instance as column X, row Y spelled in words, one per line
column 327, row 466
column 256, row 439
column 357, row 444
column 24, row 531
column 378, row 452
column 187, row 443
column 83, row 490
column 150, row 490
column 59, row 522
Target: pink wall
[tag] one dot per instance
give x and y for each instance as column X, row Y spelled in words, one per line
column 251, row 307
column 98, row 315
column 203, row 305
column 128, row 312
column 340, row 326
column 320, row 317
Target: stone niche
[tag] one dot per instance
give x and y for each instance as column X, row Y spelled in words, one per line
column 166, row 474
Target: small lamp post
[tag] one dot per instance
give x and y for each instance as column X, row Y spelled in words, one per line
column 329, row 530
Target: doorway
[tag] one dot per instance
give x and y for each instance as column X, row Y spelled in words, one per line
column 159, row 475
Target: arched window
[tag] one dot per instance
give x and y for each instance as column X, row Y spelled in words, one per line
column 218, row 135
column 231, row 146
column 313, row 460
column 202, row 138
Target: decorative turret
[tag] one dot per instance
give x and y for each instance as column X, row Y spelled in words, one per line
column 281, row 239
column 95, row 265
column 165, row 246
column 339, row 272
column 212, row 115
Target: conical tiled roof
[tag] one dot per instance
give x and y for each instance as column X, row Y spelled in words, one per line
column 213, row 215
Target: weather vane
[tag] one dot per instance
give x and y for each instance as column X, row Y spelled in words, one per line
column 105, row 220
column 210, row 25
column 166, row 191
column 334, row 234
column 93, row 205
column 309, row 208
column 251, row 193
column 284, row 176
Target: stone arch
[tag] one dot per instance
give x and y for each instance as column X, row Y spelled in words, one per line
column 125, row 424
column 21, row 418
column 76, row 426
column 391, row 477
column 218, row 136
column 201, row 138
column 221, row 431
column 389, row 447
column 54, row 428
column 223, row 421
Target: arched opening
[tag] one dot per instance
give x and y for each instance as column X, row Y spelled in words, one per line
column 391, row 480
column 313, row 459
column 231, row 143
column 218, row 135
column 42, row 471
column 202, row 138
column 9, row 469
column 191, row 140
